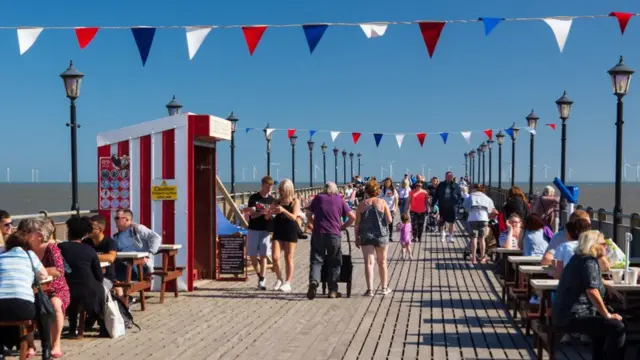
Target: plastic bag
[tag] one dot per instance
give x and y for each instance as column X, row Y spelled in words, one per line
column 616, row 256
column 113, row 320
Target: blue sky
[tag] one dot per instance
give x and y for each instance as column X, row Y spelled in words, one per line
column 350, row 83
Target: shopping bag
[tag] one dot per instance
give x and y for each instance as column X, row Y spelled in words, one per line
column 617, row 259
column 113, row 320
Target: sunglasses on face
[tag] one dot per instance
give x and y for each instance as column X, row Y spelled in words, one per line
column 8, row 224
column 116, row 218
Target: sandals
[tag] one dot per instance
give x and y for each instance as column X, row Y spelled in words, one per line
column 386, row 291
column 368, row 293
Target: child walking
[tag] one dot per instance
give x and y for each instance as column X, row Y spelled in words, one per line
column 405, row 236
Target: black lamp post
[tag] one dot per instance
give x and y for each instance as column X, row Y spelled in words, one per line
column 514, row 131
column 310, row 144
column 72, row 79
column 621, row 79
column 564, row 108
column 336, row 151
column 484, row 151
column 489, row 146
column 500, row 140
column 466, row 159
column 479, row 150
column 351, row 161
column 174, row 107
column 344, row 166
column 267, row 137
column 323, row 147
column 532, row 122
column 472, row 156
column 293, row 139
column 359, row 169
column 234, row 121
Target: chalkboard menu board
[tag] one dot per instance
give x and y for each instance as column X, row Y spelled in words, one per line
column 231, row 254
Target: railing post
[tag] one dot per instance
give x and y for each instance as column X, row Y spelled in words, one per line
column 602, row 218
column 634, row 229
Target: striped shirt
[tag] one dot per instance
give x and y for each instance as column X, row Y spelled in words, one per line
column 16, row 275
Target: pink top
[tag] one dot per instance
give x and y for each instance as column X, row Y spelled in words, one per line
column 418, row 201
column 405, row 233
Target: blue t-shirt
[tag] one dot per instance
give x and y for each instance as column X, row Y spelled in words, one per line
column 16, row 274
column 565, row 252
column 534, row 243
column 125, row 241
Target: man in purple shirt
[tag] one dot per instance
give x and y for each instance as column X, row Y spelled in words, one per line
column 328, row 210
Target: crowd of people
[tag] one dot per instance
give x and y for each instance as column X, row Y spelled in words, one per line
column 31, row 251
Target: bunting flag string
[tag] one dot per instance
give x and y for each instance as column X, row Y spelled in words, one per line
column 399, row 140
column 253, row 34
column 246, row 131
column 291, row 132
column 377, row 138
column 356, row 136
column 467, row 136
column 334, row 135
column 553, row 126
column 489, row 133
column 444, row 137
column 421, row 137
column 311, row 133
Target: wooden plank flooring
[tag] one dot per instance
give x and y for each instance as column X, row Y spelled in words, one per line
column 441, row 308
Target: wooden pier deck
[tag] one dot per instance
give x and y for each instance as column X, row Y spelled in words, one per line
column 441, row 308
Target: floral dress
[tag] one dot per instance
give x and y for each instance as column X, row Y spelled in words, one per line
column 58, row 288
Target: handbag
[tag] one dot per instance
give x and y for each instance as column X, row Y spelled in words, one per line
column 113, row 320
column 44, row 307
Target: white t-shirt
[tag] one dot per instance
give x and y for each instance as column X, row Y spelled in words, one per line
column 565, row 251
column 502, row 240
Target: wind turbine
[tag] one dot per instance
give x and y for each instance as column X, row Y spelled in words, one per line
column 624, row 169
column 243, row 170
column 391, row 169
column 33, row 175
column 423, row 165
column 509, row 171
column 382, row 170
column 570, row 171
column 254, row 172
column 448, row 168
column 637, row 172
column 277, row 165
column 315, row 171
column 429, row 173
column 37, row 176
column 546, row 168
column 9, row 175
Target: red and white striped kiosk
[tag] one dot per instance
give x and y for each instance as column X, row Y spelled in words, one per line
column 164, row 171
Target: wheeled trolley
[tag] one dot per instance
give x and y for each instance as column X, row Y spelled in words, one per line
column 346, row 270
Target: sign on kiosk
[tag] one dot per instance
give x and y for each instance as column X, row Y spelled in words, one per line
column 164, row 191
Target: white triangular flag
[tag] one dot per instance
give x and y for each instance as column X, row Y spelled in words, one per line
column 268, row 131
column 334, row 135
column 373, row 30
column 399, row 139
column 560, row 27
column 466, row 135
column 27, row 37
column 533, row 131
column 195, row 37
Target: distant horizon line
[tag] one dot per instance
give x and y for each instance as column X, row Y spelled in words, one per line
column 318, row 182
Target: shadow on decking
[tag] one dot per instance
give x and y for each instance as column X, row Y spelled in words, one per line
column 479, row 304
column 235, row 294
column 473, row 321
column 474, row 340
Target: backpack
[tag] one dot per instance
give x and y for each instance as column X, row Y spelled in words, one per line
column 372, row 224
column 126, row 314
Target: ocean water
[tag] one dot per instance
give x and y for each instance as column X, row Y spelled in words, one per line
column 30, row 198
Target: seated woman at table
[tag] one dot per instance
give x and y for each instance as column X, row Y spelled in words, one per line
column 579, row 297
column 512, row 238
column 561, row 237
column 17, row 302
column 534, row 240
column 40, row 232
column 565, row 251
column 85, row 278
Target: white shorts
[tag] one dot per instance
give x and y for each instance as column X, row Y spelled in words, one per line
column 258, row 243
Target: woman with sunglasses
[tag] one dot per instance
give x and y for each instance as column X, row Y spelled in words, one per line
column 512, row 238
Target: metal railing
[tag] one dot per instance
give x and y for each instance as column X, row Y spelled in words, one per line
column 601, row 219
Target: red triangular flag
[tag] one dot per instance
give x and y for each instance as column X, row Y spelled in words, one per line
column 290, row 132
column 623, row 19
column 85, row 35
column 355, row 136
column 252, row 35
column 431, row 34
column 553, row 126
column 489, row 133
column 421, row 137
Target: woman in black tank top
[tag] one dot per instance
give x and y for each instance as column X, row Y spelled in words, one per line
column 285, row 234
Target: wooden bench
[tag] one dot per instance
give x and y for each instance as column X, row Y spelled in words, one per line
column 168, row 271
column 128, row 286
column 25, row 327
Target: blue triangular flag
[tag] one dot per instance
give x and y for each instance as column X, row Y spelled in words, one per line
column 314, row 33
column 378, row 138
column 490, row 24
column 311, row 133
column 444, row 137
column 144, row 39
column 509, row 132
column 247, row 130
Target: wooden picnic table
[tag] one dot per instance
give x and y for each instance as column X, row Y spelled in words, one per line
column 168, row 271
column 143, row 284
column 507, row 279
column 518, row 290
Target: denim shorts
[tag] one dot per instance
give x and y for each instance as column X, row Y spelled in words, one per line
column 478, row 229
column 258, row 243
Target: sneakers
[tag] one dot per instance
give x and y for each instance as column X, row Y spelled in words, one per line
column 313, row 290
column 450, row 238
column 443, row 236
column 278, row 285
column 386, row 291
column 286, row 287
column 262, row 284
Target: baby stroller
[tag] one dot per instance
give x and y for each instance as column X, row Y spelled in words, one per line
column 432, row 220
column 346, row 270
column 490, row 238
